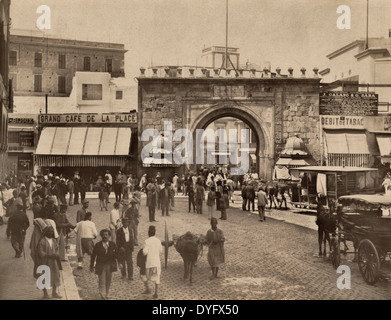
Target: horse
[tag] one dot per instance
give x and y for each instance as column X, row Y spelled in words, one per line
column 327, row 224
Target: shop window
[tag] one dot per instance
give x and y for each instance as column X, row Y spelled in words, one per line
column 92, row 92
column 38, row 60
column 13, row 58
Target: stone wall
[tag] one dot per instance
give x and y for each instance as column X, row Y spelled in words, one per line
column 274, row 108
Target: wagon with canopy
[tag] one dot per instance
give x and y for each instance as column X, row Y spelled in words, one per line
column 364, row 220
column 332, row 182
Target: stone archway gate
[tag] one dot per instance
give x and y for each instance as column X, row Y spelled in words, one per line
column 274, row 108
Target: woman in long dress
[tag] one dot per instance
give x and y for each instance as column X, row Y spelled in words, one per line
column 216, row 255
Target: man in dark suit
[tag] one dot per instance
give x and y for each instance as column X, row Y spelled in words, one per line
column 125, row 247
column 165, row 199
column 106, row 253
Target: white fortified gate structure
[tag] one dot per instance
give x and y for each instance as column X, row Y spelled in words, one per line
column 274, row 106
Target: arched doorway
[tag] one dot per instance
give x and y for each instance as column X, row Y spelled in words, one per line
column 263, row 150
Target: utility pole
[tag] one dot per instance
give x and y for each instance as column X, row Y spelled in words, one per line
column 366, row 39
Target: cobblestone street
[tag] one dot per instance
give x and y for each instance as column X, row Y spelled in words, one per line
column 269, row 260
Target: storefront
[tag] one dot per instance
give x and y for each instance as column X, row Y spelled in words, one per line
column 87, row 143
column 343, row 128
column 22, row 138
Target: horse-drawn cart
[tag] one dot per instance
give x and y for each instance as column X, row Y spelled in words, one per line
column 366, row 221
column 331, row 182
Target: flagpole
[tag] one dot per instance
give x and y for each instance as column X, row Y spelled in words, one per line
column 226, row 38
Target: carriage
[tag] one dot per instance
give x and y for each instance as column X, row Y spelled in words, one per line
column 364, row 220
column 333, row 182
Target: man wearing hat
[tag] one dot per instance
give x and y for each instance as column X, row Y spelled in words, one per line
column 37, row 207
column 125, row 245
column 50, row 209
column 18, row 224
column 63, row 228
column 39, row 192
column 165, row 199
column 132, row 214
column 85, row 234
column 152, row 250
column 81, row 213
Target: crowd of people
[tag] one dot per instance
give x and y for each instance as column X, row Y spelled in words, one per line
column 50, row 196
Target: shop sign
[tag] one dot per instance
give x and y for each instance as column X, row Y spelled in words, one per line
column 348, row 103
column 20, row 120
column 113, row 118
column 26, row 138
column 342, row 122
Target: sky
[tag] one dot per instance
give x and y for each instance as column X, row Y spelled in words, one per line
column 286, row 33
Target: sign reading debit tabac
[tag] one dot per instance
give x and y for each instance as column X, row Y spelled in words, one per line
column 74, row 118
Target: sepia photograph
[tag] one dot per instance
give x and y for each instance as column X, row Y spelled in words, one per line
column 195, row 154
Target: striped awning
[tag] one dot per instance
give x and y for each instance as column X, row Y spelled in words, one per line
column 156, row 162
column 80, row 161
column 84, row 141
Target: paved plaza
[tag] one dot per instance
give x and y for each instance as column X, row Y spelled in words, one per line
column 271, row 260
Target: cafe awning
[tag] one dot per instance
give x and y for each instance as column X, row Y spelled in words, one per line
column 343, row 142
column 83, row 146
column 384, row 143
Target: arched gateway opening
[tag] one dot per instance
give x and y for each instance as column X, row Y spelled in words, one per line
column 260, row 149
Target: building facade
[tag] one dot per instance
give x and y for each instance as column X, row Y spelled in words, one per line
column 5, row 86
column 40, row 66
column 274, row 107
column 355, row 64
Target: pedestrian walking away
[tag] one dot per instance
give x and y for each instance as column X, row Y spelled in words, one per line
column 199, row 196
column 106, row 255
column 262, row 202
column 125, row 247
column 18, row 224
column 210, row 202
column 133, row 215
column 115, row 221
column 216, row 255
column 165, row 199
column 224, row 204
column 85, row 235
column 152, row 250
column 151, row 190
column 190, row 194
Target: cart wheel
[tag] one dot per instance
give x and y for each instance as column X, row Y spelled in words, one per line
column 335, row 254
column 368, row 261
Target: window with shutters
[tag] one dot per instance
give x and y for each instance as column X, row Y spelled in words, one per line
column 118, row 95
column 87, row 64
column 61, row 84
column 38, row 60
column 92, row 92
column 38, row 83
column 61, row 61
column 13, row 58
column 109, row 65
